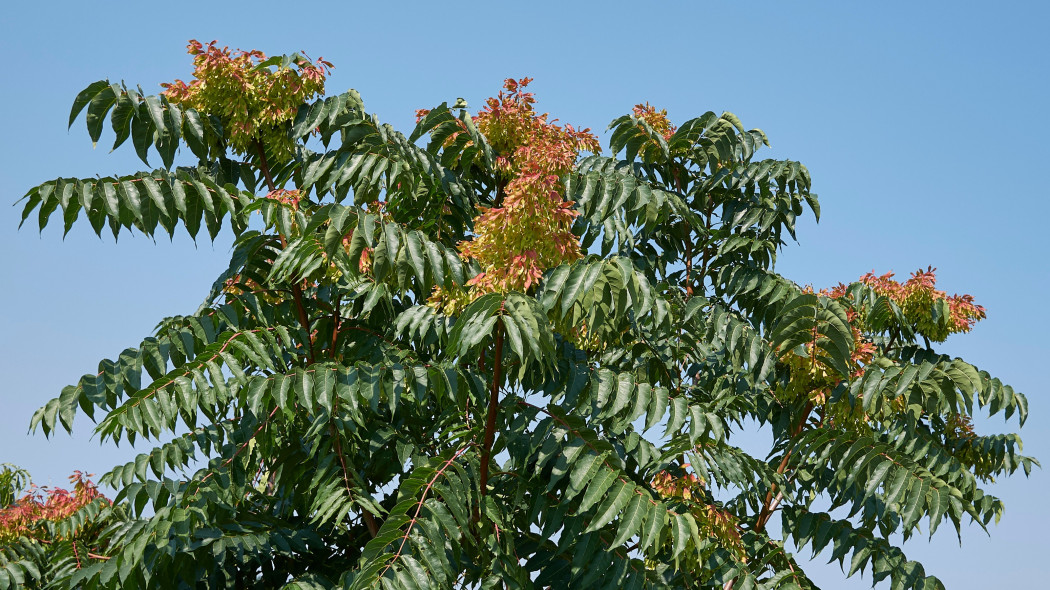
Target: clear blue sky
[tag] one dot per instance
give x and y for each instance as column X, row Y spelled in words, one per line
column 924, row 125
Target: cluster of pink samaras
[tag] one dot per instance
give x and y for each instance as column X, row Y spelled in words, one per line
column 963, row 312
column 235, row 66
column 712, row 521
column 253, row 101
column 917, row 295
column 286, row 197
column 43, row 504
column 529, row 229
column 657, row 120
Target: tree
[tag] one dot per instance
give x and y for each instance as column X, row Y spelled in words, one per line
column 477, row 356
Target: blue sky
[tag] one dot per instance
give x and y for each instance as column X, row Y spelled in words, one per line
column 924, row 126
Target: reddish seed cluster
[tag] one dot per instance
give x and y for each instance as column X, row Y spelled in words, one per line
column 656, row 119
column 712, row 521
column 45, row 504
column 253, row 101
column 285, row 197
column 960, row 428
column 918, row 299
column 919, row 294
column 683, row 486
column 863, row 349
column 530, row 231
column 364, row 264
column 238, row 285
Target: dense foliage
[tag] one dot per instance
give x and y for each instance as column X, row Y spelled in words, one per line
column 48, row 529
column 487, row 355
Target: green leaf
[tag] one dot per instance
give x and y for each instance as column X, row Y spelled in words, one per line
column 631, row 522
column 612, row 506
column 475, row 324
column 85, row 97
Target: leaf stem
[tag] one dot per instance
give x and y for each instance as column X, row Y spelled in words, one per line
column 89, row 554
column 893, row 341
column 366, row 516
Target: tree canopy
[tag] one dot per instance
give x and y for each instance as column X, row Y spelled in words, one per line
column 489, row 354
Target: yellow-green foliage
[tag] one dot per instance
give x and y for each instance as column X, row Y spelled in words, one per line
column 254, row 97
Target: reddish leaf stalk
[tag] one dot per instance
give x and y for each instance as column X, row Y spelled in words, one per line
column 216, row 355
column 89, row 554
column 419, row 507
column 370, row 520
column 243, row 446
column 771, row 502
column 688, row 263
column 706, row 250
column 264, row 166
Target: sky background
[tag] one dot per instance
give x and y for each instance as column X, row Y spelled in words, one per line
column 924, row 127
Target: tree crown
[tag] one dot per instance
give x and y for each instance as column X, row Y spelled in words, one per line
column 473, row 356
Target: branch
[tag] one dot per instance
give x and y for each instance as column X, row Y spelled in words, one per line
column 335, row 325
column 707, row 249
column 419, row 508
column 264, row 166
column 490, row 422
column 769, row 506
column 297, row 290
column 243, row 446
column 370, row 520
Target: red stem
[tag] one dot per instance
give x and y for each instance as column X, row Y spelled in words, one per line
column 769, row 506
column 335, row 326
column 370, row 520
column 771, row 502
column 297, row 290
column 89, row 554
column 490, row 422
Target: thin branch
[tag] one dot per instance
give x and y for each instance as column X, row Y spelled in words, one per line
column 688, row 239
column 243, row 446
column 419, row 507
column 707, row 249
column 264, row 166
column 366, row 516
column 370, row 520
